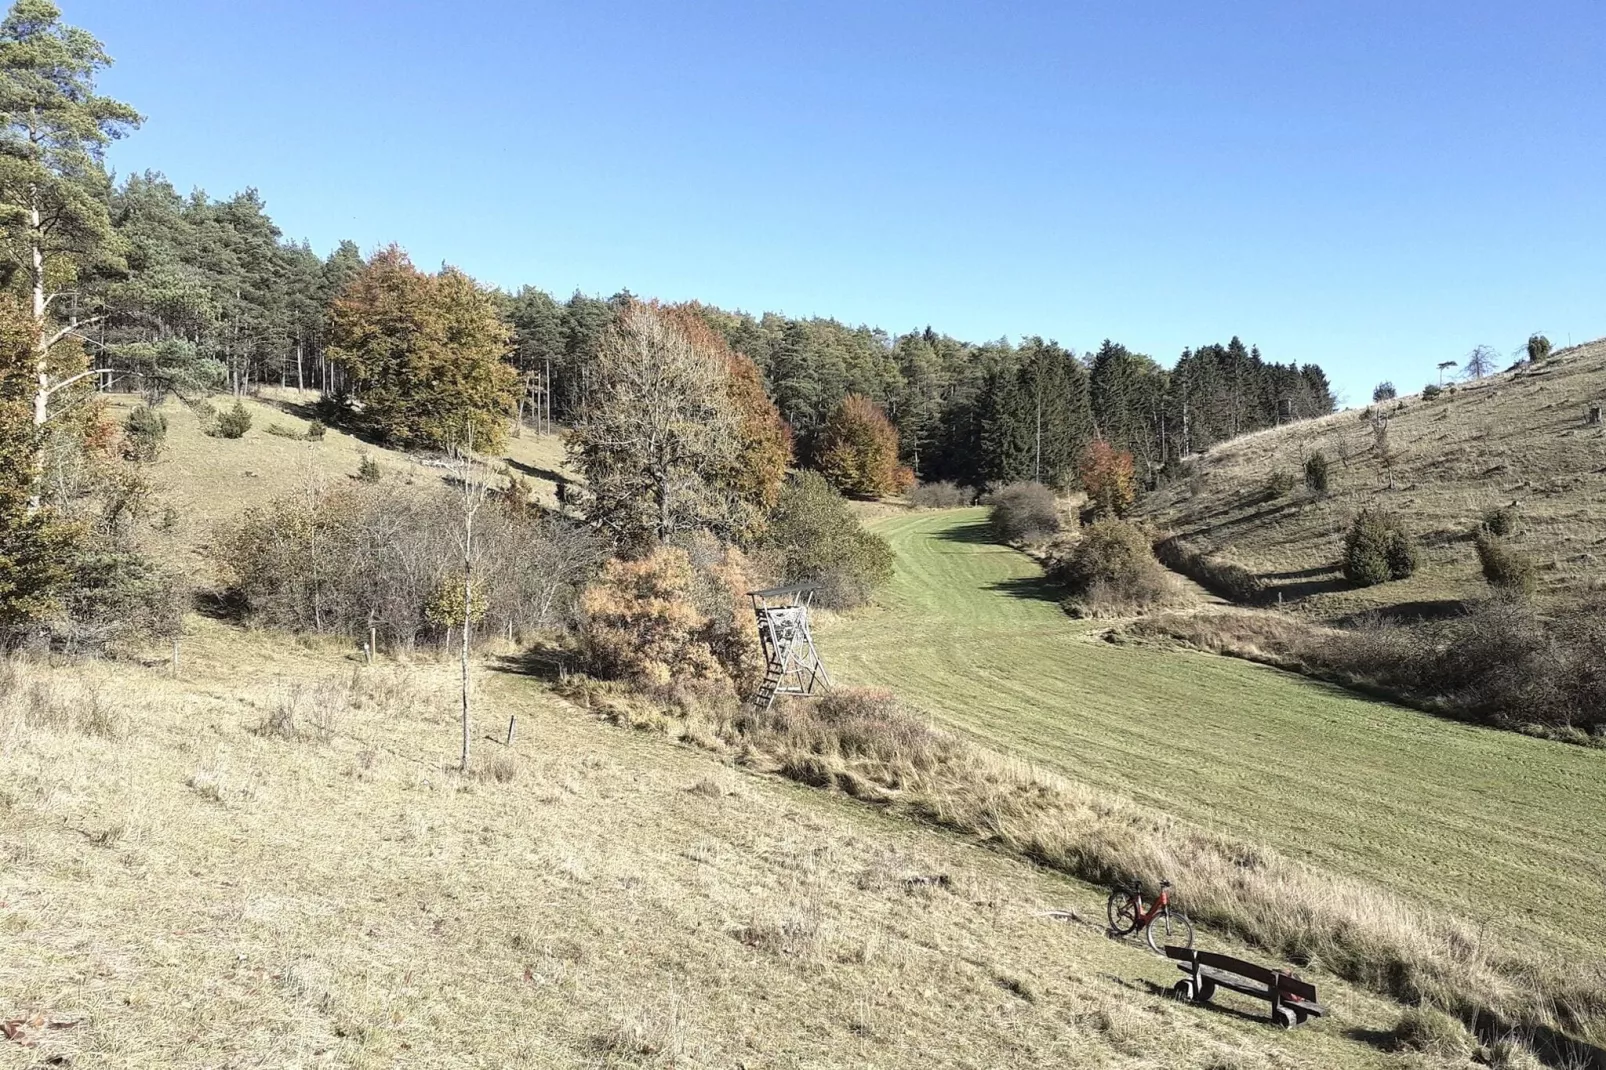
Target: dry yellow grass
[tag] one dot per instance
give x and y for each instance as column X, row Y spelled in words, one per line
column 181, row 887
column 1511, row 437
column 206, row 479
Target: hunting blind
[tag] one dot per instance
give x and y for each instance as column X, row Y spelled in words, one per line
column 791, row 664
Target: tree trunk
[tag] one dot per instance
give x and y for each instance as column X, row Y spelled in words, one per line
column 41, row 356
column 468, row 611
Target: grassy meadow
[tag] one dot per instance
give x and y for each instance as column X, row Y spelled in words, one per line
column 1489, row 825
column 269, row 861
column 1513, row 437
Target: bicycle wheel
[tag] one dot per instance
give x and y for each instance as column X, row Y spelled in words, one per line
column 1123, row 911
column 1172, row 927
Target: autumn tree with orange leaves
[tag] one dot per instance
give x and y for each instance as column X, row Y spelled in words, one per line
column 1107, row 477
column 858, row 450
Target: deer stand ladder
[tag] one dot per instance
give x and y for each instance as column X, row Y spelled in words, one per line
column 792, row 665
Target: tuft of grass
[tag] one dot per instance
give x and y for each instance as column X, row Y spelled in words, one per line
column 1430, row 1031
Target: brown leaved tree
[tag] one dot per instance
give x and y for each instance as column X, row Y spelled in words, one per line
column 858, row 450
column 424, row 355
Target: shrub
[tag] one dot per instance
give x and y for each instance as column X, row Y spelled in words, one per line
column 814, row 536
column 144, row 434
column 640, row 622
column 1431, row 391
column 1106, row 475
column 1508, row 570
column 316, row 430
column 1279, row 483
column 1023, row 512
column 944, row 495
column 234, row 423
column 339, row 562
column 1112, row 567
column 1384, row 391
column 1317, row 473
column 1538, row 348
column 1378, row 549
column 1503, row 521
column 1231, row 581
column 368, row 470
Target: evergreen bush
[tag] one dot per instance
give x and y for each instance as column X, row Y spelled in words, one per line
column 1508, row 570
column 1378, row 549
column 1317, row 474
column 234, row 423
column 144, row 434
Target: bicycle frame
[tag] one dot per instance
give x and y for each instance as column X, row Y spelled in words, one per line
column 1160, row 903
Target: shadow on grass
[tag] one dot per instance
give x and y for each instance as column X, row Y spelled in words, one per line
column 1032, row 588
column 535, row 470
column 975, row 532
column 539, row 662
column 1212, row 1006
column 1420, row 612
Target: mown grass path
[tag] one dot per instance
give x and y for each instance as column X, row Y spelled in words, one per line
column 1494, row 825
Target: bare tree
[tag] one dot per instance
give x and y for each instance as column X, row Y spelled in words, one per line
column 1480, row 362
column 473, row 479
column 1381, row 446
column 657, row 423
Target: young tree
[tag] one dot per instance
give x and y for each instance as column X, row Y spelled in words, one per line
column 1538, row 348
column 54, row 129
column 657, row 432
column 1107, row 477
column 1384, row 391
column 473, row 486
column 423, row 354
column 1480, row 362
column 858, row 450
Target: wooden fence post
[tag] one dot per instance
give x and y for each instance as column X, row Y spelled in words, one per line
column 510, row 720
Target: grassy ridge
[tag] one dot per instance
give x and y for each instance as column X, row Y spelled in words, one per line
column 1482, row 823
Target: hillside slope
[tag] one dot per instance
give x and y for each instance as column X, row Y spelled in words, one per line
column 195, row 878
column 1515, row 437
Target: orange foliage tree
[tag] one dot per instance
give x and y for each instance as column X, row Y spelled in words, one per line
column 661, row 618
column 1107, row 477
column 858, row 450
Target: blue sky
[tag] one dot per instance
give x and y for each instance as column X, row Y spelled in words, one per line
column 1373, row 186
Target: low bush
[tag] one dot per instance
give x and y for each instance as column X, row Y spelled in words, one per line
column 640, row 622
column 1317, row 474
column 1501, row 664
column 1507, row 569
column 375, row 556
column 144, row 434
column 1231, row 581
column 814, row 536
column 1023, row 512
column 368, row 470
column 1112, row 569
column 1431, row 391
column 943, row 495
column 232, row 424
column 1378, row 549
column 1502, row 521
column 1384, row 392
column 316, row 429
column 1279, row 484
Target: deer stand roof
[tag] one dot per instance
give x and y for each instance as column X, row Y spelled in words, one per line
column 792, row 665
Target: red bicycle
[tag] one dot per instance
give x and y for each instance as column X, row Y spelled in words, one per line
column 1161, row 924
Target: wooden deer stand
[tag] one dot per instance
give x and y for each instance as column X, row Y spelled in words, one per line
column 791, row 664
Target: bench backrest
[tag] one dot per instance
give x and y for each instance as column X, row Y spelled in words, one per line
column 1290, row 986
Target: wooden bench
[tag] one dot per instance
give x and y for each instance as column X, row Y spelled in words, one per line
column 1292, row 1000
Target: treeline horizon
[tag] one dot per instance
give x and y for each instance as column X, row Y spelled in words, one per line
column 219, row 278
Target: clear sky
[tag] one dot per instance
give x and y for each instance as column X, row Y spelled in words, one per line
column 1376, row 186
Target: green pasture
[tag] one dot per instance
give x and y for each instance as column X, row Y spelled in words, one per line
column 1497, row 827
